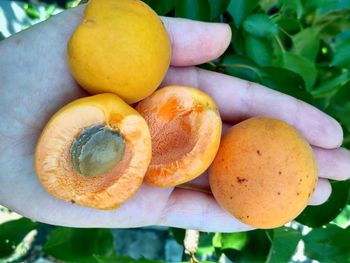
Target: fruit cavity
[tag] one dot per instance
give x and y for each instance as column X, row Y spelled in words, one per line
column 185, row 127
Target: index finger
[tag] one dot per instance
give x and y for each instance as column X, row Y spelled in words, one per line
column 239, row 99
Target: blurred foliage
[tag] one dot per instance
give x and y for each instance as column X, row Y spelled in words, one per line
column 298, row 47
column 12, row 233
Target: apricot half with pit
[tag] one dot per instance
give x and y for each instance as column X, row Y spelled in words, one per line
column 122, row 47
column 94, row 152
column 185, row 127
column 264, row 173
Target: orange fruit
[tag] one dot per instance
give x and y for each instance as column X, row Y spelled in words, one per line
column 264, row 173
column 122, row 47
column 185, row 127
column 94, row 152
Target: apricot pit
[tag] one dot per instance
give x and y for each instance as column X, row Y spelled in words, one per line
column 96, row 150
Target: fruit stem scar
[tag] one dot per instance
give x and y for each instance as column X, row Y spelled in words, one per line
column 90, row 20
column 96, row 150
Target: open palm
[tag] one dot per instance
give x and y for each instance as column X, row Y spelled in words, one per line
column 35, row 83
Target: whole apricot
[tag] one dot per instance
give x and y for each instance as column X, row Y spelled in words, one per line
column 264, row 173
column 122, row 47
column 185, row 128
column 94, row 152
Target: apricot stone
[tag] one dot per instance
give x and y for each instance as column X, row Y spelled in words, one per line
column 264, row 173
column 122, row 47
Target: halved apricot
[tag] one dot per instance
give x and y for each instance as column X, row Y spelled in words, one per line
column 185, row 127
column 94, row 152
column 264, row 173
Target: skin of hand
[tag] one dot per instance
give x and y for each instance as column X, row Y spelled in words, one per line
column 35, row 83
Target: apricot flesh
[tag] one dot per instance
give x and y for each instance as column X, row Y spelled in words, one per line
column 185, row 127
column 94, row 152
column 264, row 173
column 120, row 47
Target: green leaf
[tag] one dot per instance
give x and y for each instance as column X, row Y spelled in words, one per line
column 284, row 243
column 122, row 259
column 343, row 218
column 218, row 7
column 256, row 248
column 295, row 5
column 237, row 40
column 289, row 25
column 260, row 25
column 234, row 240
column 340, row 105
column 329, row 244
column 179, row 234
column 31, row 11
column 240, row 67
column 49, row 10
column 317, row 216
column 299, row 65
column 311, row 5
column 259, row 50
column 306, row 43
column 346, row 144
column 337, row 4
column 240, row 9
column 333, row 23
column 205, row 247
column 12, row 233
column 230, row 240
column 285, row 81
column 161, row 7
column 77, row 244
column 193, row 9
column 342, row 55
column 330, row 85
column 267, row 5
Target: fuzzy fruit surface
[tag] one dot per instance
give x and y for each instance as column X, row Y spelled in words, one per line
column 120, row 47
column 264, row 173
column 94, row 152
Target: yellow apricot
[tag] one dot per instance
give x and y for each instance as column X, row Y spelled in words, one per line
column 94, row 152
column 122, row 47
column 185, row 127
column 264, row 172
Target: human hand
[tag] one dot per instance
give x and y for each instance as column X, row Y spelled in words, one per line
column 36, row 83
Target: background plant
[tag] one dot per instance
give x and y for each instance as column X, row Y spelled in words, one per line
column 298, row 47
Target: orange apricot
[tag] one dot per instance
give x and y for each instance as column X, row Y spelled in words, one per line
column 185, row 128
column 264, row 172
column 122, row 47
column 94, row 152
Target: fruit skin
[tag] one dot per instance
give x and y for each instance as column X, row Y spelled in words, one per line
column 264, row 173
column 185, row 128
column 52, row 155
column 120, row 47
